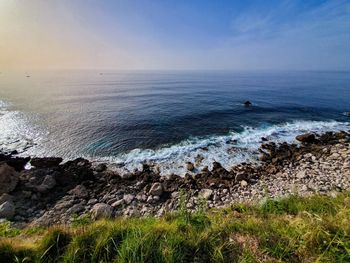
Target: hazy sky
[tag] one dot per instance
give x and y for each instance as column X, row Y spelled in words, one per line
column 177, row 34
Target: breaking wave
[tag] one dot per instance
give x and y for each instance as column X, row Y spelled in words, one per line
column 229, row 150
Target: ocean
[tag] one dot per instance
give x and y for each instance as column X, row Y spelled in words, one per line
column 166, row 118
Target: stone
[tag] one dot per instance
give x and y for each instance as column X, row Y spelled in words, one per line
column 206, row 193
column 101, row 210
column 156, row 189
column 46, row 162
column 128, row 198
column 190, row 166
column 7, row 210
column 79, row 191
column 247, row 103
column 5, row 197
column 127, row 176
column 240, row 176
column 306, row 138
column 301, row 174
column 8, row 178
column 48, row 183
column 100, row 167
column 244, row 183
column 118, row 203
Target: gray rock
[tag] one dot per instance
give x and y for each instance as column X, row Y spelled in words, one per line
column 240, row 176
column 128, row 198
column 79, row 191
column 7, row 210
column 206, row 193
column 244, row 183
column 5, row 197
column 48, row 183
column 190, row 166
column 101, row 210
column 156, row 189
column 8, row 178
column 127, row 176
column 118, row 203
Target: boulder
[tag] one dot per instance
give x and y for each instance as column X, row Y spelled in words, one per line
column 46, row 162
column 247, row 103
column 47, row 184
column 101, row 210
column 100, row 167
column 190, row 166
column 18, row 163
column 206, row 193
column 79, row 191
column 7, row 210
column 5, row 197
column 306, row 138
column 128, row 198
column 240, row 176
column 156, row 189
column 8, row 178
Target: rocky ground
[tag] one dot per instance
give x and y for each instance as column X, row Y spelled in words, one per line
column 53, row 192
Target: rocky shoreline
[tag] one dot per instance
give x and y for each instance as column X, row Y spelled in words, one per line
column 53, row 192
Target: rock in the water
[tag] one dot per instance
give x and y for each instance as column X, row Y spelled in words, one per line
column 8, row 178
column 347, row 113
column 156, row 189
column 190, row 166
column 101, row 210
column 206, row 193
column 46, row 162
column 247, row 103
column 7, row 210
column 48, row 183
column 306, row 137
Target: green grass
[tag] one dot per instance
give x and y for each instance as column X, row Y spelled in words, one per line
column 294, row 229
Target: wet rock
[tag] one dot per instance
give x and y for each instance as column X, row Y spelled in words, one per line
column 101, row 210
column 46, row 162
column 8, row 178
column 247, row 103
column 18, row 163
column 7, row 210
column 190, row 166
column 156, row 189
column 306, row 138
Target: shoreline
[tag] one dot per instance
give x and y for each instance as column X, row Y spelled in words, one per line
column 52, row 192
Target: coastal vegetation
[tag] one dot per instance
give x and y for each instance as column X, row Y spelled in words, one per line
column 290, row 229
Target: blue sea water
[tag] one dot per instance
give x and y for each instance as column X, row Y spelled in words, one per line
column 166, row 117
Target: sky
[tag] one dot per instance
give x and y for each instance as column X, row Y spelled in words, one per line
column 177, row 34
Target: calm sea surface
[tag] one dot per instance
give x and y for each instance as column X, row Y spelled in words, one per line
column 165, row 117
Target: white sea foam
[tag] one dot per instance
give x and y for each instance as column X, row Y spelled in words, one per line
column 229, row 150
column 16, row 133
